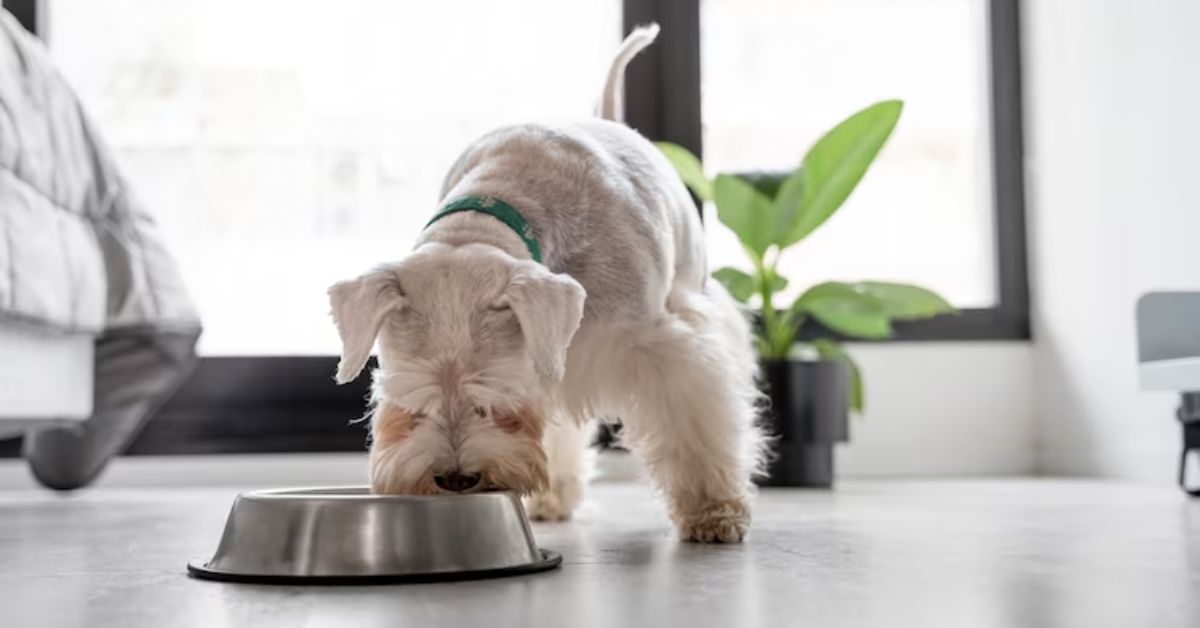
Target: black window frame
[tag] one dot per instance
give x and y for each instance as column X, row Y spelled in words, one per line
column 259, row 404
column 29, row 13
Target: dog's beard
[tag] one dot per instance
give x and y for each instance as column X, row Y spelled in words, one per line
column 525, row 475
column 398, row 470
column 406, row 453
column 395, row 473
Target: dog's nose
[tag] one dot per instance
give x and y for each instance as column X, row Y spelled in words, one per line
column 456, row 481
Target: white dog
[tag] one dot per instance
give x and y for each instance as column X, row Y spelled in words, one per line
column 564, row 279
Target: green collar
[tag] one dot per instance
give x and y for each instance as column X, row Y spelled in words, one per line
column 498, row 209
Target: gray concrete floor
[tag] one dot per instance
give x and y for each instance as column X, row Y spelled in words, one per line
column 938, row 553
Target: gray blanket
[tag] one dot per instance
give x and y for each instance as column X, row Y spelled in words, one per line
column 79, row 254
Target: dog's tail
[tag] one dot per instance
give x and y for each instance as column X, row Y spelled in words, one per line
column 612, row 101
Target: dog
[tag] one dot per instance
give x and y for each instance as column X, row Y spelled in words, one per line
column 564, row 279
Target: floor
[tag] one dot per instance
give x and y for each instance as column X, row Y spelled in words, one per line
column 939, row 553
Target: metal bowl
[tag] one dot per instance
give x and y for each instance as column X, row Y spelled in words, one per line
column 346, row 535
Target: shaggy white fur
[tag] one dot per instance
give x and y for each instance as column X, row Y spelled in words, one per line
column 492, row 365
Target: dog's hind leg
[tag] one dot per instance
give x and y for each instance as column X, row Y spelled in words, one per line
column 566, row 443
column 692, row 412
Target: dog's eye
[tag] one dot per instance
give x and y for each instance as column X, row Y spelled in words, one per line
column 418, row 415
column 481, row 412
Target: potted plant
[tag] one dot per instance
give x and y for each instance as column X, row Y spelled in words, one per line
column 811, row 386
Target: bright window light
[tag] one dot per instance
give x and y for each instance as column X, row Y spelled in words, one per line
column 286, row 144
column 779, row 73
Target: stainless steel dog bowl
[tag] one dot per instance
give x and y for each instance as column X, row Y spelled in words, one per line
column 346, row 535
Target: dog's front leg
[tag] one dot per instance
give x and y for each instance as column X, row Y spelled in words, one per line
column 565, row 442
column 692, row 422
column 703, row 476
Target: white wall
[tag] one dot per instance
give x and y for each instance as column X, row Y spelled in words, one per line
column 954, row 409
column 1113, row 127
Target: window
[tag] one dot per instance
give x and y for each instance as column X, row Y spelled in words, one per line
column 285, row 144
column 778, row 73
column 944, row 206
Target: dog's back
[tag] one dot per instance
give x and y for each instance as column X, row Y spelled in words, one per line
column 609, row 208
column 644, row 164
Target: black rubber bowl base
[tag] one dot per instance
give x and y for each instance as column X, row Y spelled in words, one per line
column 550, row 560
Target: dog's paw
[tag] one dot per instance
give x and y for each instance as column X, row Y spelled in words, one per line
column 546, row 506
column 721, row 522
column 557, row 503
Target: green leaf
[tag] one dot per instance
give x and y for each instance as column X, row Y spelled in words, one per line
column 689, row 168
column 738, row 283
column 742, row 286
column 745, row 210
column 837, row 162
column 769, row 183
column 830, row 350
column 789, row 209
column 845, row 310
column 906, row 302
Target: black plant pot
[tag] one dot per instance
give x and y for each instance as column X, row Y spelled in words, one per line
column 809, row 412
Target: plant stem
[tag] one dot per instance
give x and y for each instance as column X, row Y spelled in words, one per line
column 770, row 316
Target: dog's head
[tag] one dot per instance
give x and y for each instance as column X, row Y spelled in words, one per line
column 469, row 340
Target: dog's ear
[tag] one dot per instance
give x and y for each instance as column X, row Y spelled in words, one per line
column 548, row 308
column 359, row 307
